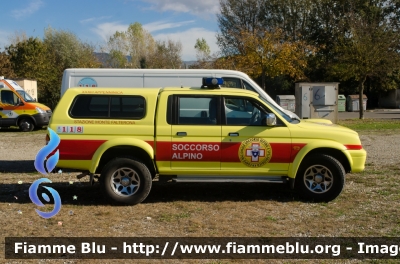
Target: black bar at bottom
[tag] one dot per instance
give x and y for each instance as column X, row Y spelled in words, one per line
column 202, row 248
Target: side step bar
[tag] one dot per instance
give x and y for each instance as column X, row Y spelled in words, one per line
column 269, row 179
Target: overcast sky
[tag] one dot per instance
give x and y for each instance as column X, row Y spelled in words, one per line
column 94, row 21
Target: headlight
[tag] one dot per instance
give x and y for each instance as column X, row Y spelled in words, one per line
column 40, row 110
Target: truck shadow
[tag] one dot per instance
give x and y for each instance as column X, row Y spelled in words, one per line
column 13, row 130
column 81, row 193
column 217, row 192
column 18, row 166
column 17, row 129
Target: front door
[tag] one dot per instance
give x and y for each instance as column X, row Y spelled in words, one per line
column 8, row 106
column 248, row 144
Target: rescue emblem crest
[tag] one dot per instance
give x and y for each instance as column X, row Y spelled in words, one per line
column 255, row 152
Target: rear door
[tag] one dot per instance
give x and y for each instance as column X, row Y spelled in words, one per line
column 196, row 134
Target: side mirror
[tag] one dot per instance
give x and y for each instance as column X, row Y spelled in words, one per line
column 270, row 119
column 21, row 104
column 35, row 100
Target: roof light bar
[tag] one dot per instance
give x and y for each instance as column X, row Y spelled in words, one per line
column 212, row 83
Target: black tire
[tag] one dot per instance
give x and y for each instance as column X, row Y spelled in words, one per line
column 126, row 181
column 320, row 178
column 26, row 124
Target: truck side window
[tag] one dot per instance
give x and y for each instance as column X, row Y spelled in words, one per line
column 115, row 107
column 128, row 106
column 247, row 86
column 197, row 110
column 242, row 112
column 237, row 83
column 232, row 82
column 98, row 105
column 7, row 97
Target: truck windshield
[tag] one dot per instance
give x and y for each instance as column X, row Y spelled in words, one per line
column 279, row 111
column 25, row 96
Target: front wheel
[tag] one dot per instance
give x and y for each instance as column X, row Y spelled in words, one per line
column 26, row 124
column 126, row 181
column 320, row 178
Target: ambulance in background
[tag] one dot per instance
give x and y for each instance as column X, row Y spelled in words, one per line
column 18, row 108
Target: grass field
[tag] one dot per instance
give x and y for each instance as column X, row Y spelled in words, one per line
column 370, row 124
column 368, row 207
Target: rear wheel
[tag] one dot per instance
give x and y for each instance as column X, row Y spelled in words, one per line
column 26, row 124
column 126, row 181
column 320, row 178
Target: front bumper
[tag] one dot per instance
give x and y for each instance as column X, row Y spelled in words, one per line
column 42, row 119
column 359, row 157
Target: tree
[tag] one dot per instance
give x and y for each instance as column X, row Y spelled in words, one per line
column 66, row 51
column 6, row 69
column 136, row 43
column 291, row 16
column 202, row 48
column 69, row 51
column 118, row 50
column 369, row 49
column 265, row 37
column 18, row 36
column 203, row 54
column 320, row 29
column 166, row 56
column 235, row 17
column 31, row 59
column 136, row 48
column 266, row 53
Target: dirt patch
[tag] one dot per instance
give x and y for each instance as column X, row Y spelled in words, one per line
column 18, row 150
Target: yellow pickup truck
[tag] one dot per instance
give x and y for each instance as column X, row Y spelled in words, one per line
column 130, row 136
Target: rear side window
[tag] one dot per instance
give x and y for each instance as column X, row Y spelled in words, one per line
column 193, row 110
column 103, row 106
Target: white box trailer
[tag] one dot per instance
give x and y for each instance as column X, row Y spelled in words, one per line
column 138, row 78
column 29, row 86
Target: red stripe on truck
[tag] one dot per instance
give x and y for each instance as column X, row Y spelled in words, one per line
column 78, row 149
column 167, row 151
column 281, row 152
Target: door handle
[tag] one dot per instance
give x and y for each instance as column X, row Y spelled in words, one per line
column 233, row 134
column 181, row 134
